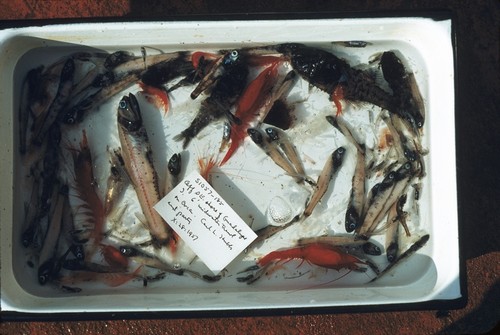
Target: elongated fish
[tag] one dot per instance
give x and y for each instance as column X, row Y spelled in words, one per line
column 332, row 165
column 137, row 155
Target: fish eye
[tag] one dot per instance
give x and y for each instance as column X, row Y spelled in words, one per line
column 234, row 55
column 407, row 166
column 42, row 279
column 371, row 249
column 272, row 133
column 69, row 119
column 255, row 135
column 114, row 171
column 126, row 251
column 78, row 251
column 123, row 104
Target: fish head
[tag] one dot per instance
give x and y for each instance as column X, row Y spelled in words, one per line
column 406, row 170
column 338, row 157
column 255, row 135
column 231, row 58
column 272, row 133
column 129, row 113
column 129, row 251
column 175, row 164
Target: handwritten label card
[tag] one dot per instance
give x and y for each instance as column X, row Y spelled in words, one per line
column 210, row 227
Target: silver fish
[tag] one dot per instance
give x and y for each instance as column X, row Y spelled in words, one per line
column 117, row 181
column 410, row 251
column 137, row 155
column 273, row 152
column 278, row 136
column 375, row 214
column 332, row 165
column 357, row 199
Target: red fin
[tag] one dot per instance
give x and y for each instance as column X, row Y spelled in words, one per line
column 235, row 143
column 117, row 279
column 113, row 257
column 337, row 95
column 206, row 165
column 161, row 101
column 260, row 60
column 172, row 244
column 248, row 104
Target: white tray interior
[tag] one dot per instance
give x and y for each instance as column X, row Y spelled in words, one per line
column 431, row 274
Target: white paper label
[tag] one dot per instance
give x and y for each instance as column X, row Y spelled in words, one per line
column 209, row 226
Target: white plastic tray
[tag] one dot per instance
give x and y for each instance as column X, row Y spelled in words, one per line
column 431, row 274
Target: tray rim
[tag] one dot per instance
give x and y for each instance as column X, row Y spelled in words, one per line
column 453, row 303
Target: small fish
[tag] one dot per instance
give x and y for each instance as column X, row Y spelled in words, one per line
column 377, row 198
column 278, row 136
column 43, row 124
column 226, row 90
column 112, row 279
column 386, row 199
column 27, row 97
column 32, row 216
column 268, row 231
column 410, row 251
column 255, row 103
column 404, row 86
column 395, row 217
column 137, row 155
column 117, row 181
column 355, row 207
column 75, row 112
column 273, row 152
column 47, row 257
column 331, row 167
column 141, row 257
column 51, row 165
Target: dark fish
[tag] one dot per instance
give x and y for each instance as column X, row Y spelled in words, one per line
column 409, row 102
column 224, row 94
column 335, row 76
column 43, row 125
column 273, row 151
column 410, row 251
